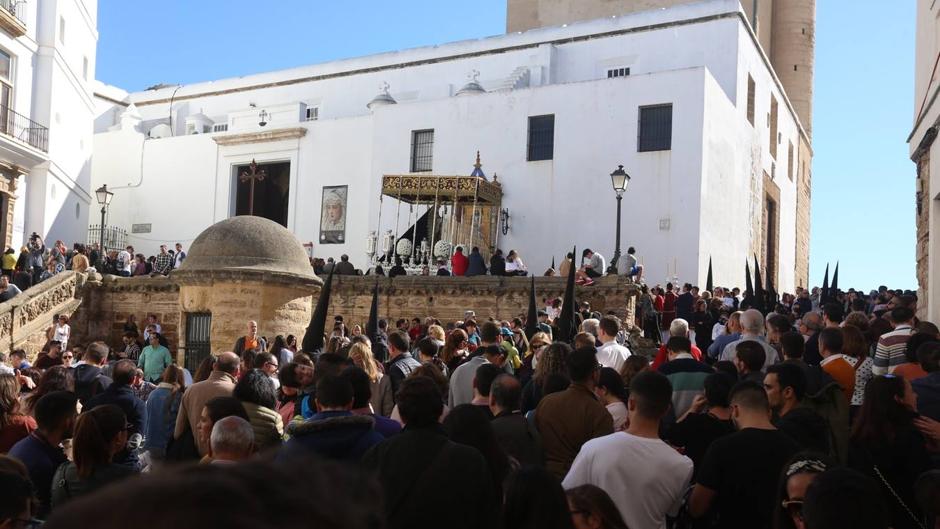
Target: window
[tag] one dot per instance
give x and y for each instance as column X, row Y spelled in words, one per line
column 617, row 72
column 751, row 88
column 422, row 150
column 313, row 113
column 790, row 162
column 655, row 128
column 541, row 138
column 85, row 68
column 220, row 127
column 773, row 127
column 62, row 30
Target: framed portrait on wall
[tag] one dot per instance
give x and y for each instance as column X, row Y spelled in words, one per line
column 333, row 215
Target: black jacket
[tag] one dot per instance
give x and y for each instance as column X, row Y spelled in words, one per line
column 807, row 428
column 345, row 268
column 122, row 396
column 519, row 438
column 89, row 381
column 399, row 369
column 497, row 266
column 476, row 265
column 336, row 435
column 432, row 482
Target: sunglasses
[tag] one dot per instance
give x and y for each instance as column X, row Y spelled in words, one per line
column 67, row 357
column 793, row 507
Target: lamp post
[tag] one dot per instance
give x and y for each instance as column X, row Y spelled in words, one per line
column 104, row 198
column 619, row 179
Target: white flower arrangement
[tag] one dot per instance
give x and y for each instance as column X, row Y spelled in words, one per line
column 442, row 249
column 403, row 248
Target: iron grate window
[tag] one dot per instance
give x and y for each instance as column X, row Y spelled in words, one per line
column 541, row 138
column 751, row 90
column 198, row 343
column 655, row 128
column 422, row 150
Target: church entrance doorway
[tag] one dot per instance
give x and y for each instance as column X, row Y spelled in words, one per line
column 262, row 189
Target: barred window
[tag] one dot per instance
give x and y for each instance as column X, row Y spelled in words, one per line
column 422, row 150
column 751, row 90
column 655, row 132
column 541, row 138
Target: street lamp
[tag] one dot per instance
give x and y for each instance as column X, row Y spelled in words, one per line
column 619, row 179
column 104, row 198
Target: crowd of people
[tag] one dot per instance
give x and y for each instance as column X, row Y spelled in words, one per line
column 821, row 414
column 462, row 264
column 37, row 263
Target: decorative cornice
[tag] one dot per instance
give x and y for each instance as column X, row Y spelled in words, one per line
column 261, row 137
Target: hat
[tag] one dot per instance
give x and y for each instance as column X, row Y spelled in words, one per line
column 505, row 331
column 543, row 312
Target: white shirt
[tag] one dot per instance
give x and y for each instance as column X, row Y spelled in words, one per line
column 62, row 333
column 125, row 257
column 618, row 411
column 178, row 259
column 515, row 266
column 645, row 478
column 613, row 355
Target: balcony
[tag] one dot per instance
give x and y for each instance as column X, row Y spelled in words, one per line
column 11, row 17
column 23, row 129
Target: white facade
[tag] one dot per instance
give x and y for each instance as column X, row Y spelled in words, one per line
column 925, row 151
column 46, row 146
column 695, row 200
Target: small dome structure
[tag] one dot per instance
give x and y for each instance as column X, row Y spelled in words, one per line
column 473, row 85
column 248, row 244
column 384, row 98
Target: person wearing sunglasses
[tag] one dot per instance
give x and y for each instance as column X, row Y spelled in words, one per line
column 796, row 477
column 99, row 435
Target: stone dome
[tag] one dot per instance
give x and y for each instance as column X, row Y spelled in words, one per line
column 250, row 244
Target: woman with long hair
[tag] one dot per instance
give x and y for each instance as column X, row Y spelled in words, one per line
column 280, row 351
column 455, row 349
column 99, row 434
column 592, row 508
column 887, row 446
column 855, row 347
column 535, row 500
column 611, row 393
column 533, row 352
column 163, row 404
column 56, row 378
column 382, row 399
column 551, row 361
column 649, row 318
column 257, row 394
column 14, row 425
column 796, row 477
column 468, row 425
column 291, row 341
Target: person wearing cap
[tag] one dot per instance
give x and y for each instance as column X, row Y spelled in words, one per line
column 512, row 354
column 543, row 322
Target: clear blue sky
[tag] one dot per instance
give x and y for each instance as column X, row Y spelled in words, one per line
column 863, row 181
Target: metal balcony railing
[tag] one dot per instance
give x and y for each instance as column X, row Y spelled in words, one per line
column 13, row 7
column 22, row 128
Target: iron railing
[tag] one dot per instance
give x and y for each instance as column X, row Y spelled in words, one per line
column 22, row 128
column 115, row 238
column 13, row 7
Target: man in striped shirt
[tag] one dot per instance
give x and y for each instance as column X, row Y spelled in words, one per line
column 891, row 346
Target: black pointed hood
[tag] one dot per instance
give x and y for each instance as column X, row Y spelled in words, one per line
column 532, row 318
column 834, row 288
column 749, row 288
column 372, row 327
column 567, row 326
column 760, row 296
column 824, row 294
column 313, row 339
column 709, row 286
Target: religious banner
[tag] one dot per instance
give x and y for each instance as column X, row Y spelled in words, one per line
column 333, row 215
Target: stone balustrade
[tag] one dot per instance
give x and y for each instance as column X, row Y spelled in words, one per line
column 25, row 318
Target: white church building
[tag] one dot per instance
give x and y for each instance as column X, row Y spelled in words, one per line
column 47, row 110
column 684, row 98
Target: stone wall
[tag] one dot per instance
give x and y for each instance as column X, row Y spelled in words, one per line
column 25, row 318
column 923, row 230
column 107, row 303
column 803, row 198
column 446, row 298
column 100, row 307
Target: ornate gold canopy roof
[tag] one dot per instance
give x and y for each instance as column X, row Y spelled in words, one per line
column 428, row 189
